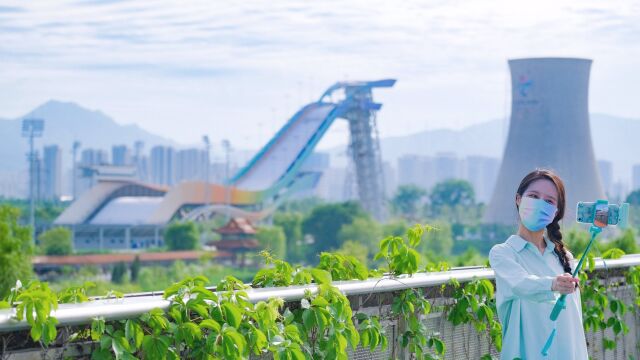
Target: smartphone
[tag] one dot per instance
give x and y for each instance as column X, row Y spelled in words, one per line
column 601, row 213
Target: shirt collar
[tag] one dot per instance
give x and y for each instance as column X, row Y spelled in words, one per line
column 550, row 245
column 518, row 243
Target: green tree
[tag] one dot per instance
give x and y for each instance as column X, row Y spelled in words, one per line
column 576, row 240
column 355, row 249
column 56, row 241
column 396, row 227
column 470, row 257
column 634, row 212
column 325, row 221
column 302, row 206
column 15, row 250
column 47, row 212
column 135, row 269
column 438, row 241
column 272, row 238
column 634, row 198
column 407, row 199
column 181, row 236
column 118, row 273
column 625, row 242
column 291, row 224
column 452, row 193
column 363, row 230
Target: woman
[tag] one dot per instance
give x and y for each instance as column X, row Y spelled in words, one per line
column 532, row 268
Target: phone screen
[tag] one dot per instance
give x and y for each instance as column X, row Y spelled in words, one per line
column 601, row 218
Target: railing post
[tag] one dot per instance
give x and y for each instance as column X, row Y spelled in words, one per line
column 401, row 351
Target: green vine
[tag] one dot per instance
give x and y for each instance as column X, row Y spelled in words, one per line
column 202, row 324
column 601, row 308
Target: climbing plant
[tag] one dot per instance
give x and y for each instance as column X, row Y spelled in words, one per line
column 219, row 322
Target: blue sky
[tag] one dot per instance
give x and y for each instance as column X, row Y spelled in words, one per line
column 240, row 69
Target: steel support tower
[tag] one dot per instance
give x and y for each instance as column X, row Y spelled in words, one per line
column 364, row 148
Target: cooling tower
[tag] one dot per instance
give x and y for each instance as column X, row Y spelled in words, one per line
column 549, row 128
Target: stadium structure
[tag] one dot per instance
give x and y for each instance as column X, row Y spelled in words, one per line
column 549, row 128
column 126, row 214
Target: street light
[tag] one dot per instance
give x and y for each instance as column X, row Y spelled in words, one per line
column 227, row 148
column 207, row 147
column 32, row 128
column 76, row 147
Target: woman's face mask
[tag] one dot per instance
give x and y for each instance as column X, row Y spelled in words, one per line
column 536, row 214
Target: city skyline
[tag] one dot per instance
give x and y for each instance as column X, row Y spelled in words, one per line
column 224, row 69
column 616, row 185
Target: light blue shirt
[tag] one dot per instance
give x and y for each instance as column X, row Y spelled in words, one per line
column 524, row 300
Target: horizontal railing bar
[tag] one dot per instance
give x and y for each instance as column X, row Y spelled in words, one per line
column 134, row 306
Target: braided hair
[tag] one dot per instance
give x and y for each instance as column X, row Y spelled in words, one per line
column 554, row 234
column 553, row 229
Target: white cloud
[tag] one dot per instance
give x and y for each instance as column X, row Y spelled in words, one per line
column 184, row 68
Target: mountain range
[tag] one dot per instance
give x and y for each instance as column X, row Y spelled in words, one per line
column 614, row 138
column 66, row 122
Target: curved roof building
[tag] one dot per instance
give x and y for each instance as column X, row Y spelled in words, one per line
column 106, row 198
column 549, row 128
column 133, row 203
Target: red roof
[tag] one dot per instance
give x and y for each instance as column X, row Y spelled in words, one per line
column 103, row 259
column 237, row 226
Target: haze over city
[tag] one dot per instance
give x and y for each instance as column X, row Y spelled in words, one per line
column 239, row 70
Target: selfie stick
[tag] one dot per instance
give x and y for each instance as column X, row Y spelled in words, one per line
column 560, row 304
column 600, row 218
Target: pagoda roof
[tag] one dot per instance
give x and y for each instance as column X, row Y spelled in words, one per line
column 237, row 225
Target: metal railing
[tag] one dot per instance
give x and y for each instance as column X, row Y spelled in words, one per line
column 134, row 305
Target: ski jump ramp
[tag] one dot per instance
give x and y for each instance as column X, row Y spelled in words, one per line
column 274, row 171
column 255, row 191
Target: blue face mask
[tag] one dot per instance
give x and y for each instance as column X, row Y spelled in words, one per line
column 536, row 214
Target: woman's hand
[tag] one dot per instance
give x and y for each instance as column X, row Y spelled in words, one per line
column 564, row 284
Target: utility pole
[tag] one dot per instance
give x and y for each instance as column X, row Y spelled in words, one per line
column 76, row 147
column 227, row 185
column 32, row 128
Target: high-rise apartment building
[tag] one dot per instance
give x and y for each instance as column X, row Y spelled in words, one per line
column 447, row 166
column 52, row 173
column 605, row 168
column 482, row 173
column 163, row 165
column 635, row 177
column 93, row 157
column 416, row 170
column 121, row 155
column 191, row 165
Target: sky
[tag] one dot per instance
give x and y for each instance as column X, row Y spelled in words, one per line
column 239, row 69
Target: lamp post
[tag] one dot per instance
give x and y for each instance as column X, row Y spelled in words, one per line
column 32, row 128
column 74, row 151
column 226, row 144
column 207, row 148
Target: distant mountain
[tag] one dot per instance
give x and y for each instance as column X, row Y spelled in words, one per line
column 66, row 122
column 485, row 139
column 614, row 138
